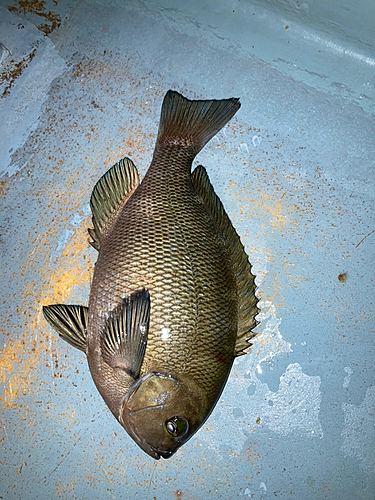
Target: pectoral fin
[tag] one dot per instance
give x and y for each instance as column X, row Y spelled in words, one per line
column 70, row 322
column 124, row 340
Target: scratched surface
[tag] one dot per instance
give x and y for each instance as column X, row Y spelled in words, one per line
column 82, row 85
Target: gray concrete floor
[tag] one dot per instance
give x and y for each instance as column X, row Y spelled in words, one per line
column 82, row 85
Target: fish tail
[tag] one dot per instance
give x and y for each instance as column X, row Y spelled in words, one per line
column 186, row 123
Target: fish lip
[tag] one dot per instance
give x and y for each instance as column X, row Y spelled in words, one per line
column 152, row 452
column 165, row 454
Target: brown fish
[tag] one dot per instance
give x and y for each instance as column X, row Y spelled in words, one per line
column 172, row 300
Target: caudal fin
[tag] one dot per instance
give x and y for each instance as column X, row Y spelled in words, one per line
column 192, row 124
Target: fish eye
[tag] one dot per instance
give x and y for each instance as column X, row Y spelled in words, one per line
column 177, row 426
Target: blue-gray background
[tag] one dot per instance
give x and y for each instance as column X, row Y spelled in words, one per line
column 82, row 85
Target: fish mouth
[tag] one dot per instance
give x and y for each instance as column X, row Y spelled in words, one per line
column 162, row 453
column 153, row 452
column 150, row 450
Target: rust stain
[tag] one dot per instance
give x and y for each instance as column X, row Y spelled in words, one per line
column 343, row 277
column 14, row 70
column 65, row 489
column 249, row 452
column 270, row 209
column 5, row 186
column 15, row 368
column 274, row 289
column 70, row 270
column 41, row 281
column 20, row 358
column 37, row 7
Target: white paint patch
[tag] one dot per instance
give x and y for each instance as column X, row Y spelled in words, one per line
column 61, row 242
column 349, row 372
column 263, row 487
column 244, row 146
column 359, row 431
column 256, row 140
column 165, row 333
column 270, row 343
column 76, row 220
column 21, row 108
column 295, row 406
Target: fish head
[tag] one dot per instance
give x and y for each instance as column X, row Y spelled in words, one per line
column 162, row 411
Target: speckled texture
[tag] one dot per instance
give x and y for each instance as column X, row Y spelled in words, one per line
column 296, row 178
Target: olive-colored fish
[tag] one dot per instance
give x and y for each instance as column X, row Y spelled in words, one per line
column 172, row 300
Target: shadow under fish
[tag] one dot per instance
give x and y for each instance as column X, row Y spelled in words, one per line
column 172, row 301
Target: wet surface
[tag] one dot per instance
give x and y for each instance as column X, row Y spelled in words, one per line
column 82, row 85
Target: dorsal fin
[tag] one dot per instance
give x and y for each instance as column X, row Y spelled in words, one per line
column 192, row 124
column 109, row 195
column 248, row 301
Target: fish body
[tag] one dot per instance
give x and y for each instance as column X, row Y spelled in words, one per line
column 172, row 300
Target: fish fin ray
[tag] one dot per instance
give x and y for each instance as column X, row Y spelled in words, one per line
column 125, row 337
column 70, row 322
column 187, row 123
column 248, row 302
column 110, row 194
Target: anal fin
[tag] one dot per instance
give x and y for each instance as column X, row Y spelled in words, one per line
column 70, row 322
column 124, row 339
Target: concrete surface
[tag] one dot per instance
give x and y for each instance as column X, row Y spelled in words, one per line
column 82, row 85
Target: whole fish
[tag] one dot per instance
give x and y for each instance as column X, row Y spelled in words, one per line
column 172, row 300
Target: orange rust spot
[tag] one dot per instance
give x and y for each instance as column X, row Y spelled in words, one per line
column 70, row 271
column 17, row 369
column 20, row 359
column 343, row 277
column 13, row 70
column 250, row 454
column 5, row 185
column 37, row 7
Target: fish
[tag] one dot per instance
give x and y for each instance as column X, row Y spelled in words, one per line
column 173, row 296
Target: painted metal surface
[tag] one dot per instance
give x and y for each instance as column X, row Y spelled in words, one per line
column 82, row 85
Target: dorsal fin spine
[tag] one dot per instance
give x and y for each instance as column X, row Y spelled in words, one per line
column 109, row 195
